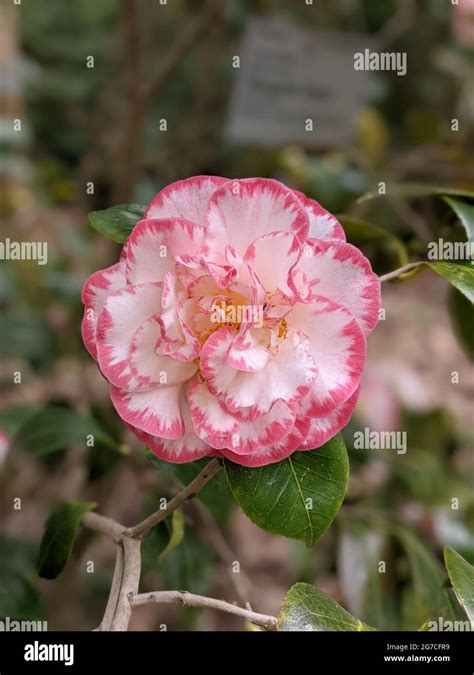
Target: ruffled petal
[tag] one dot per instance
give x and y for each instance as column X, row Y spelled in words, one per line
column 243, row 210
column 338, row 347
column 221, row 430
column 188, row 448
column 156, row 412
column 149, row 365
column 262, row 256
column 185, row 199
column 123, row 312
column 154, row 245
column 95, row 292
column 339, row 271
column 322, row 224
column 288, row 375
column 324, row 428
column 247, row 351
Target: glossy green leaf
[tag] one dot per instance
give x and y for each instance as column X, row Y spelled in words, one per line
column 384, row 250
column 177, row 533
column 306, row 608
column 58, row 537
column 465, row 213
column 54, row 428
column 415, row 191
column 460, row 275
column 117, row 222
column 427, row 596
column 461, row 575
column 216, row 495
column 19, row 598
column 298, row 497
column 462, row 316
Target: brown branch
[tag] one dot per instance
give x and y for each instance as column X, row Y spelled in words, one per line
column 400, row 271
column 140, row 96
column 127, row 572
column 183, row 46
column 130, row 582
column 187, row 493
column 192, row 600
column 134, row 120
column 111, row 608
column 131, row 45
column 98, row 523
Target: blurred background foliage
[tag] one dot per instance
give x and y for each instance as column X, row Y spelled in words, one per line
column 101, row 125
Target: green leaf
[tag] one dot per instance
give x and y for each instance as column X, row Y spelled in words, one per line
column 58, row 537
column 154, row 543
column 360, row 550
column 117, row 222
column 54, row 428
column 177, row 533
column 415, row 191
column 461, row 575
column 297, row 497
column 28, row 336
column 427, row 596
column 460, row 275
column 19, row 598
column 12, row 419
column 216, row 495
column 306, row 608
column 384, row 250
column 465, row 213
column 462, row 317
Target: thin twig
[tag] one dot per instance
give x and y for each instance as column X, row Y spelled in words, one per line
column 189, row 492
column 130, row 583
column 111, row 608
column 98, row 523
column 192, row 600
column 125, row 584
column 401, row 270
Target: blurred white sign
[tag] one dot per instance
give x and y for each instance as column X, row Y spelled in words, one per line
column 296, row 86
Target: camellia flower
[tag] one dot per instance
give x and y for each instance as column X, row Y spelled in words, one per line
column 234, row 324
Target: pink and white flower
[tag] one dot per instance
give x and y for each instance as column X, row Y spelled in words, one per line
column 190, row 372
